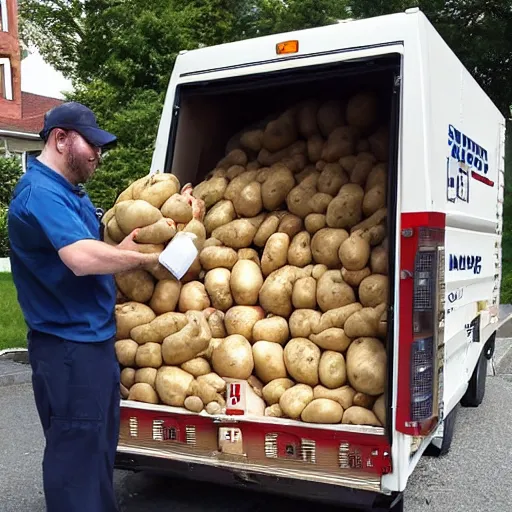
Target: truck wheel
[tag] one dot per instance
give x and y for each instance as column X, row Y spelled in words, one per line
column 476, row 390
column 448, row 431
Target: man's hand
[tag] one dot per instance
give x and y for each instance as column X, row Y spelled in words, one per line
column 129, row 243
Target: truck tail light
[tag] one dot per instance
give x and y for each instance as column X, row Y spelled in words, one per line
column 421, row 339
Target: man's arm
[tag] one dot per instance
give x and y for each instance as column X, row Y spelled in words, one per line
column 87, row 257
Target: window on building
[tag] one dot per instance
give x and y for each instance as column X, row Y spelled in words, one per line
column 4, row 18
column 5, row 79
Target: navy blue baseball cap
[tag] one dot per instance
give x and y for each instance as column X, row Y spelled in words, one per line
column 77, row 117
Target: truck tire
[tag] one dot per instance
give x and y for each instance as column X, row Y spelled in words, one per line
column 476, row 389
column 448, row 432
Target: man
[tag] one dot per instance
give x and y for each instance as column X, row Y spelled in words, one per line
column 63, row 276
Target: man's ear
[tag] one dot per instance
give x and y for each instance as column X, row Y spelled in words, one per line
column 60, row 139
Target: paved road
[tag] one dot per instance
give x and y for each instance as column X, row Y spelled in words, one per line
column 475, row 476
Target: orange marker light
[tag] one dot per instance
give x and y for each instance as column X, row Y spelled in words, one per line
column 287, row 47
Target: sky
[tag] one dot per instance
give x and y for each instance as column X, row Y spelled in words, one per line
column 38, row 77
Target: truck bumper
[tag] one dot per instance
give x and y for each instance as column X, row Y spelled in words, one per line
column 253, row 481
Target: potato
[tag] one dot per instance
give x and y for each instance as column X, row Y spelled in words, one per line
column 238, row 233
column 249, row 254
column 130, row 315
column 276, row 293
column 354, row 252
column 220, row 214
column 304, row 293
column 159, row 328
column 273, row 391
column 325, row 245
column 165, row 297
column 377, row 176
column 172, row 384
column 290, row 224
column 315, row 147
column 303, row 322
column 295, row 399
column 274, row 329
column 345, row 210
column 245, row 282
column 370, row 222
column 306, row 118
column 319, row 270
column 234, row 157
column 319, row 202
column 274, row 411
column 177, row 208
column 379, row 261
column 373, row 290
column 379, row 409
column 143, row 392
column 205, row 392
column 128, row 377
column 212, row 345
column 158, row 233
column 332, row 338
column 297, row 200
column 354, row 277
column 362, row 168
column 157, row 189
column 302, row 358
column 233, row 358
column 268, row 361
column 277, row 186
column 249, row 202
column 332, row 292
column 267, row 228
column 341, row 142
column 114, row 231
column 336, row 317
column 275, row 253
column 365, row 323
column 256, row 385
column 344, row 395
column 197, row 366
column 332, row 371
column 348, row 163
column 332, row 178
column 330, row 116
column 299, row 251
column 126, row 350
column 374, row 199
column 189, row 342
column 252, row 140
column 362, row 110
column 216, row 382
column 234, row 171
column 241, row 320
column 280, row 133
column 146, row 375
column 136, row 214
column 364, row 400
column 193, row 403
column 138, row 285
column 379, row 143
column 360, row 416
column 216, row 283
column 366, row 366
column 213, row 408
column 149, row 355
column 193, row 296
column 215, row 257
column 215, row 319
column 211, row 191
column 314, row 222
column 322, row 410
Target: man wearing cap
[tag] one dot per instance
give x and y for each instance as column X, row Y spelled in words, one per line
column 63, row 274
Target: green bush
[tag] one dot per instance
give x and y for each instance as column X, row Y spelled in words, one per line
column 4, row 239
column 10, row 172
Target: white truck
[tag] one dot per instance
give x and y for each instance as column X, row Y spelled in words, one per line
column 445, row 205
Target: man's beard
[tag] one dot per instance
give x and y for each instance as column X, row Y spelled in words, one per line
column 79, row 166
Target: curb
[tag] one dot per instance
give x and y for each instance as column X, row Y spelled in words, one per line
column 14, row 368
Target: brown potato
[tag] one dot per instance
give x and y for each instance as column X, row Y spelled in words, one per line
column 137, row 285
column 143, row 392
column 172, row 384
column 314, row 222
column 374, row 199
column 290, row 224
column 331, row 369
column 220, row 214
column 194, row 297
column 165, row 297
column 234, row 157
column 233, row 358
column 159, row 328
column 252, row 139
column 332, row 292
column 379, row 261
column 373, row 290
column 241, row 320
column 268, row 228
column 126, row 350
column 302, row 357
column 299, row 252
column 178, row 209
column 275, row 253
column 341, row 142
column 354, row 277
column 345, row 210
column 344, row 395
column 274, row 328
column 130, row 315
column 315, row 147
column 128, row 377
column 214, row 257
column 364, row 400
column 360, row 416
column 332, row 338
column 295, row 399
column 147, row 375
column 280, row 133
column 273, row 391
column 362, row 110
column 306, row 118
column 330, row 116
column 197, row 367
column 322, row 410
column 249, row 203
column 277, row 186
column 354, row 252
column 217, row 286
column 332, row 178
column 268, row 361
column 325, row 245
column 245, row 282
column 366, row 366
column 304, row 293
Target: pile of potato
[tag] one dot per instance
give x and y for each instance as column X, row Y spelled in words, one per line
column 290, row 286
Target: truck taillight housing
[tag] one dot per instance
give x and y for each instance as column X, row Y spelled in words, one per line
column 421, row 337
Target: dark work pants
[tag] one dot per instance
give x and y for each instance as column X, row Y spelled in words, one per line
column 76, row 390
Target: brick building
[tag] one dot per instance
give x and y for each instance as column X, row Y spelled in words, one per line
column 21, row 113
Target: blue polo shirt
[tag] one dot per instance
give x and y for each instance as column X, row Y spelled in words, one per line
column 46, row 214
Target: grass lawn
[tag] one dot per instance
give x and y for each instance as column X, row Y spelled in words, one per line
column 13, row 330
